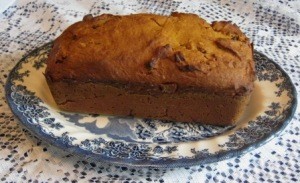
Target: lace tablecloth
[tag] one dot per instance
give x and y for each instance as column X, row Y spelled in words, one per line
column 273, row 26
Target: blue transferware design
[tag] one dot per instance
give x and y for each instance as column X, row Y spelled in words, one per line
column 146, row 142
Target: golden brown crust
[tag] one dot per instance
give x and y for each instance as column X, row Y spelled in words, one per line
column 146, row 49
column 176, row 67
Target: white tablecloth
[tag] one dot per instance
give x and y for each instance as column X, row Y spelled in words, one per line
column 272, row 25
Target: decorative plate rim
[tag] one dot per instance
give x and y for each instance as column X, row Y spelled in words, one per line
column 37, row 131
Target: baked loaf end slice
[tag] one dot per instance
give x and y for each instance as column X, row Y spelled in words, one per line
column 176, row 67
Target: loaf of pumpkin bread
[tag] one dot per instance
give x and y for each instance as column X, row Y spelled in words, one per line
column 176, row 67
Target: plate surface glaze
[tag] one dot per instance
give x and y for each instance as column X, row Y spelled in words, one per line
column 145, row 142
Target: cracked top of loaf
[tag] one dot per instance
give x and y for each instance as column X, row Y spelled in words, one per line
column 174, row 52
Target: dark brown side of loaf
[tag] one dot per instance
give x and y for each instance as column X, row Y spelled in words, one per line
column 185, row 107
column 153, row 66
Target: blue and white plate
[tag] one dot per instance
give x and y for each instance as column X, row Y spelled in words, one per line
column 146, row 142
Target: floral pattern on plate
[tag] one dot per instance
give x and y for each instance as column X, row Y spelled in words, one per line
column 147, row 142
